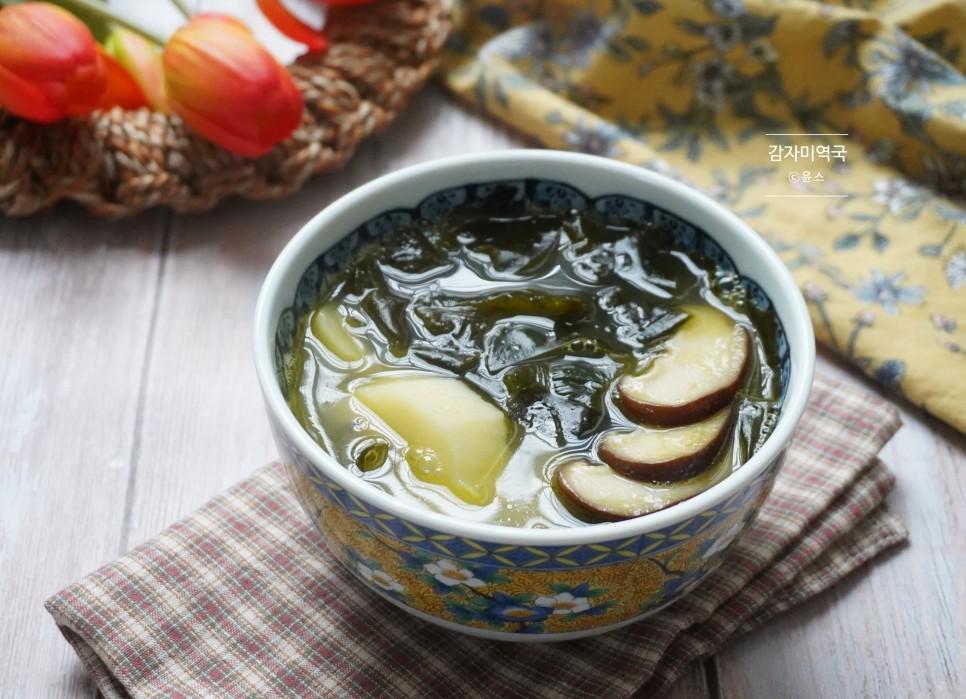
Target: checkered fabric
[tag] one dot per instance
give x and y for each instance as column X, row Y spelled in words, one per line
column 241, row 599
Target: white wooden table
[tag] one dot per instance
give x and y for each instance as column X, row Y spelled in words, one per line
column 128, row 399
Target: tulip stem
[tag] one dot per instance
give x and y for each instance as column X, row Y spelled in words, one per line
column 182, row 8
column 117, row 16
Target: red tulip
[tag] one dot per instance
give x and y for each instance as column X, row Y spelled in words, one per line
column 342, row 3
column 142, row 60
column 291, row 26
column 228, row 87
column 49, row 65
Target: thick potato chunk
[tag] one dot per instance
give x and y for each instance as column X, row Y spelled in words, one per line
column 456, row 438
column 328, row 326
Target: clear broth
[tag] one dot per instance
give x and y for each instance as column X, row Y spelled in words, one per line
column 540, row 312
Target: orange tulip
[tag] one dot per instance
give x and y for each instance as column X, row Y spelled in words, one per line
column 122, row 90
column 142, row 60
column 49, row 65
column 228, row 87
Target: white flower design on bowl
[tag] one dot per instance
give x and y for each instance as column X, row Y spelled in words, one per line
column 449, row 573
column 379, row 578
column 564, row 603
column 723, row 541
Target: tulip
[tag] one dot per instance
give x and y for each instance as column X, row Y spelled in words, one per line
column 292, row 27
column 342, row 3
column 122, row 90
column 49, row 65
column 228, row 87
column 142, row 60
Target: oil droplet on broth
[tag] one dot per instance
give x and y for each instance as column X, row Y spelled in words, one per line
column 424, row 462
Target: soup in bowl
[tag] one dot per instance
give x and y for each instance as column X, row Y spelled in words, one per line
column 531, row 394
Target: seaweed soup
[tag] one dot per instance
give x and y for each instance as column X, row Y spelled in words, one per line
column 539, row 313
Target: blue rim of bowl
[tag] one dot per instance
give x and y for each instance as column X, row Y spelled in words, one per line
column 438, row 203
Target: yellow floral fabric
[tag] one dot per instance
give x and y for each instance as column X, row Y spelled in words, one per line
column 837, row 130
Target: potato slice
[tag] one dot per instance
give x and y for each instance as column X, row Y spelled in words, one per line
column 666, row 454
column 456, row 438
column 328, row 326
column 700, row 372
column 596, row 493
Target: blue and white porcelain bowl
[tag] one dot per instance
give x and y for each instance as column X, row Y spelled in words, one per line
column 502, row 582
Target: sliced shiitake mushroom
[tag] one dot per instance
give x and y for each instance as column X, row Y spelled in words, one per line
column 594, row 492
column 700, row 372
column 662, row 454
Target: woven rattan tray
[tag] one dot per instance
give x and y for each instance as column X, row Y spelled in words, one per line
column 120, row 162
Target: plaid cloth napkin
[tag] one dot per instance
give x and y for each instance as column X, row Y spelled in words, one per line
column 240, row 599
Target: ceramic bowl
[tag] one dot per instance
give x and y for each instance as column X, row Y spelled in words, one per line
column 502, row 582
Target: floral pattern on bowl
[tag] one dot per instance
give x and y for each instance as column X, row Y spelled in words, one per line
column 502, row 589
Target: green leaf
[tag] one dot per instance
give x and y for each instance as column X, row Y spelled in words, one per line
column 636, row 43
column 847, row 241
column 647, row 7
column 674, row 142
column 692, row 27
column 500, row 94
column 950, row 214
column 718, row 137
column 480, row 90
column 617, row 52
column 694, row 148
column 839, row 35
column 879, row 241
column 754, row 27
column 911, row 214
column 754, row 212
